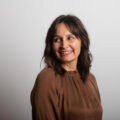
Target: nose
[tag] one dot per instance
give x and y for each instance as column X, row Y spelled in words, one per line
column 64, row 44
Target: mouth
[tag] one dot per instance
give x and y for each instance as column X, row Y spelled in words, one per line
column 63, row 53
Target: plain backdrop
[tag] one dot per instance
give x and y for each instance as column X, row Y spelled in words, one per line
column 23, row 27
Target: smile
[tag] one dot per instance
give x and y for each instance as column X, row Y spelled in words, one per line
column 66, row 52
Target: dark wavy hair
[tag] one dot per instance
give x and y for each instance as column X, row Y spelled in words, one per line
column 77, row 28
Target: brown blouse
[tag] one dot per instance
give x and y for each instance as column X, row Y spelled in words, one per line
column 56, row 97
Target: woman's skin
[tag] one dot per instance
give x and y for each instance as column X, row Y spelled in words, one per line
column 66, row 47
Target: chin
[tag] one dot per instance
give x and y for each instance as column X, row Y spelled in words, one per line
column 66, row 60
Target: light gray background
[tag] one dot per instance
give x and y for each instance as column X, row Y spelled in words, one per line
column 23, row 27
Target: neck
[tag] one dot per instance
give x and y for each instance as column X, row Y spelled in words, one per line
column 69, row 66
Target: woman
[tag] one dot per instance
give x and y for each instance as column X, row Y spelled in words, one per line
column 66, row 89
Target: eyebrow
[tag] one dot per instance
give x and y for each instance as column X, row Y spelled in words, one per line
column 56, row 36
column 66, row 35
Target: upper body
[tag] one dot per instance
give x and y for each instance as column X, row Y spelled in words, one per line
column 66, row 89
column 67, row 97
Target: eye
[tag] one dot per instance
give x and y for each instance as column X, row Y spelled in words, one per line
column 70, row 37
column 56, row 39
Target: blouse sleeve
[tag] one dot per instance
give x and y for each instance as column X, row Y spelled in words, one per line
column 44, row 99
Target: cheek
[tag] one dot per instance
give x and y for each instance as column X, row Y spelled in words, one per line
column 55, row 47
column 77, row 46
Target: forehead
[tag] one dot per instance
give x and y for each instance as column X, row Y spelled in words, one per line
column 62, row 29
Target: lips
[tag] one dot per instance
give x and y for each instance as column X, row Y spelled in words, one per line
column 66, row 52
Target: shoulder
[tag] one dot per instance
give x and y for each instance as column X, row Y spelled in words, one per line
column 45, row 84
column 46, row 73
column 92, row 80
column 91, row 77
column 46, row 79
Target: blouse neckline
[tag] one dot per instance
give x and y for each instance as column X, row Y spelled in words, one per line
column 71, row 72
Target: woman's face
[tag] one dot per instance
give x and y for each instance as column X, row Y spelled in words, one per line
column 66, row 46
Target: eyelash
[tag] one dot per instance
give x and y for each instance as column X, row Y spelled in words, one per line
column 56, row 39
column 70, row 38
column 59, row 39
